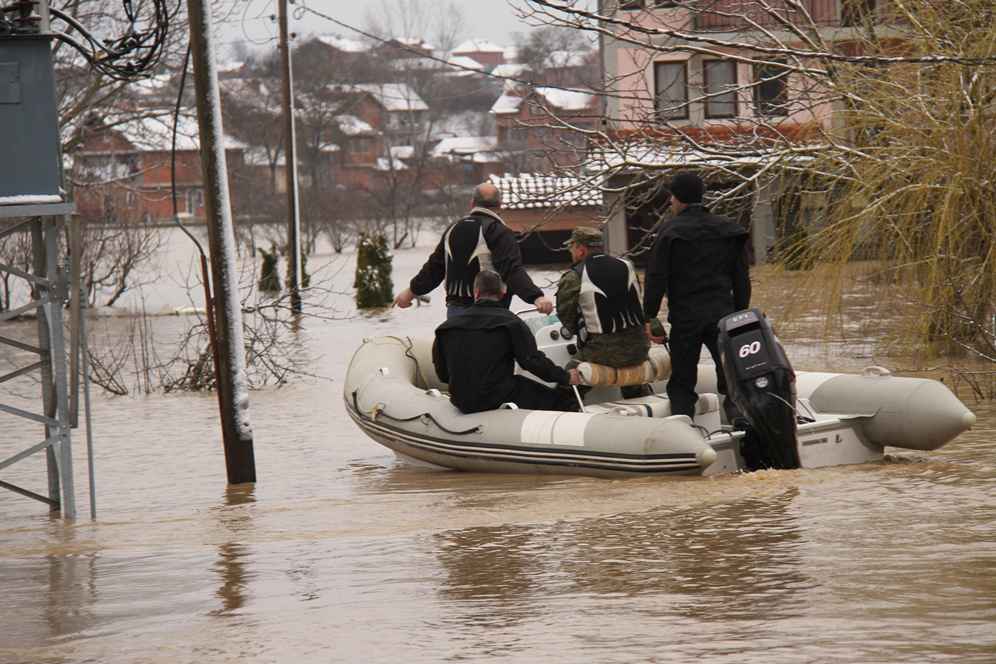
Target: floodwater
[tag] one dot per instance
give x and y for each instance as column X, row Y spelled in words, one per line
column 340, row 554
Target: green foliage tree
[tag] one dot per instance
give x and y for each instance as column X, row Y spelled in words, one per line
column 374, row 287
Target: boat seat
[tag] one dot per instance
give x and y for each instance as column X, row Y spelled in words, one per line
column 706, row 407
column 656, row 367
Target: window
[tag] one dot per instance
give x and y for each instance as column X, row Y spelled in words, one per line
column 640, row 4
column 720, row 78
column 360, row 144
column 671, row 90
column 195, row 200
column 770, row 90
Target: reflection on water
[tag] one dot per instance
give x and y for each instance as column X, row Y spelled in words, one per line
column 340, row 554
column 235, row 519
column 730, row 562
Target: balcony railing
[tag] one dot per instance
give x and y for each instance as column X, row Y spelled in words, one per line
column 734, row 15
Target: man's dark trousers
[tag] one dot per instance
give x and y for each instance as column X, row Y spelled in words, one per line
column 687, row 338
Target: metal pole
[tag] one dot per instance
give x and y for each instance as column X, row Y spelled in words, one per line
column 290, row 138
column 53, row 318
column 75, row 270
column 45, row 346
column 577, row 395
column 85, row 364
column 236, row 429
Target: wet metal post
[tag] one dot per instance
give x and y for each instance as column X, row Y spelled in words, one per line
column 233, row 386
column 290, row 172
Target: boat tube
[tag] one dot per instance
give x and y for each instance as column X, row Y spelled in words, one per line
column 392, row 393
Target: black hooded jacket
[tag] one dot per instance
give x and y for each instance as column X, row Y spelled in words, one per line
column 459, row 257
column 699, row 261
column 475, row 353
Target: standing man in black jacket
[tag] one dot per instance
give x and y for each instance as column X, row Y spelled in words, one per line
column 480, row 241
column 475, row 353
column 699, row 262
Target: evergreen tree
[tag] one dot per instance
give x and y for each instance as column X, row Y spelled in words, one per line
column 373, row 284
column 269, row 277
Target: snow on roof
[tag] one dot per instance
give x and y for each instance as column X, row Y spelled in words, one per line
column 461, row 63
column 507, row 104
column 257, row 156
column 153, row 84
column 647, row 154
column 393, row 96
column 488, row 157
column 155, row 133
column 561, row 59
column 511, row 54
column 566, row 100
column 464, row 145
column 510, row 70
column 394, row 164
column 231, row 65
column 416, row 42
column 478, row 46
column 526, row 191
column 402, row 151
column 353, row 126
column 343, row 44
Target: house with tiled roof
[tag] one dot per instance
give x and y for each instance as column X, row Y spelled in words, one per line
column 122, row 171
column 544, row 209
column 544, row 126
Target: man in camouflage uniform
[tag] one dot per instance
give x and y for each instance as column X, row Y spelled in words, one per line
column 599, row 301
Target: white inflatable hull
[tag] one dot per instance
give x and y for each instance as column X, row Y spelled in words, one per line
column 392, row 393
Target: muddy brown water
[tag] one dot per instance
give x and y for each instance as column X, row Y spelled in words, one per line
column 340, row 554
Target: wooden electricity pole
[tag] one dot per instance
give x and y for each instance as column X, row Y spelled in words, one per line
column 290, row 139
column 232, row 385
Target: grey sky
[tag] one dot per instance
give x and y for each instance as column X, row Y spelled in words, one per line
column 494, row 20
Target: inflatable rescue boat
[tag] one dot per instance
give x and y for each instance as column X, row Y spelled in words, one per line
column 783, row 419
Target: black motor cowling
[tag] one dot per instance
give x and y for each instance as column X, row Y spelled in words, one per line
column 761, row 383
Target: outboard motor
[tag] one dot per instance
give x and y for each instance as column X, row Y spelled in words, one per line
column 761, row 383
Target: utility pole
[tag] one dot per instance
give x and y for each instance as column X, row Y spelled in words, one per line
column 290, row 138
column 232, row 385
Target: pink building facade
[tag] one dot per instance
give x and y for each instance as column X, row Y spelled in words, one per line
column 711, row 98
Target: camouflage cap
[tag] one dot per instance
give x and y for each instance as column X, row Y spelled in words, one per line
column 586, row 235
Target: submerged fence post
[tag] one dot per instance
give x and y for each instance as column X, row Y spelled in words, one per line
column 233, row 388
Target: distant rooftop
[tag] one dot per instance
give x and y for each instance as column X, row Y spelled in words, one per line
column 557, row 98
column 353, row 126
column 513, row 70
column 155, row 133
column 478, row 46
column 530, row 191
column 393, row 96
column 343, row 44
column 461, row 63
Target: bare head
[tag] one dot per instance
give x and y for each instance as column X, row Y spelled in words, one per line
column 486, row 195
column 488, row 286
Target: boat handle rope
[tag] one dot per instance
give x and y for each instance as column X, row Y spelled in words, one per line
column 378, row 411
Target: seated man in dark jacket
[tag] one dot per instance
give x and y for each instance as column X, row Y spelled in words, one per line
column 476, row 354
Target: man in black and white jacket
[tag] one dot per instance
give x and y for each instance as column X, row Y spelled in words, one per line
column 479, row 241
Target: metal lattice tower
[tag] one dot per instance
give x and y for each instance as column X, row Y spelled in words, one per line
column 32, row 201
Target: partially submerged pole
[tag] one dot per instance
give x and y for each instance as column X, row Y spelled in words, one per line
column 232, row 384
column 290, row 139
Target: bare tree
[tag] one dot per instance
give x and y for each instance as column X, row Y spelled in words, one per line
column 866, row 126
